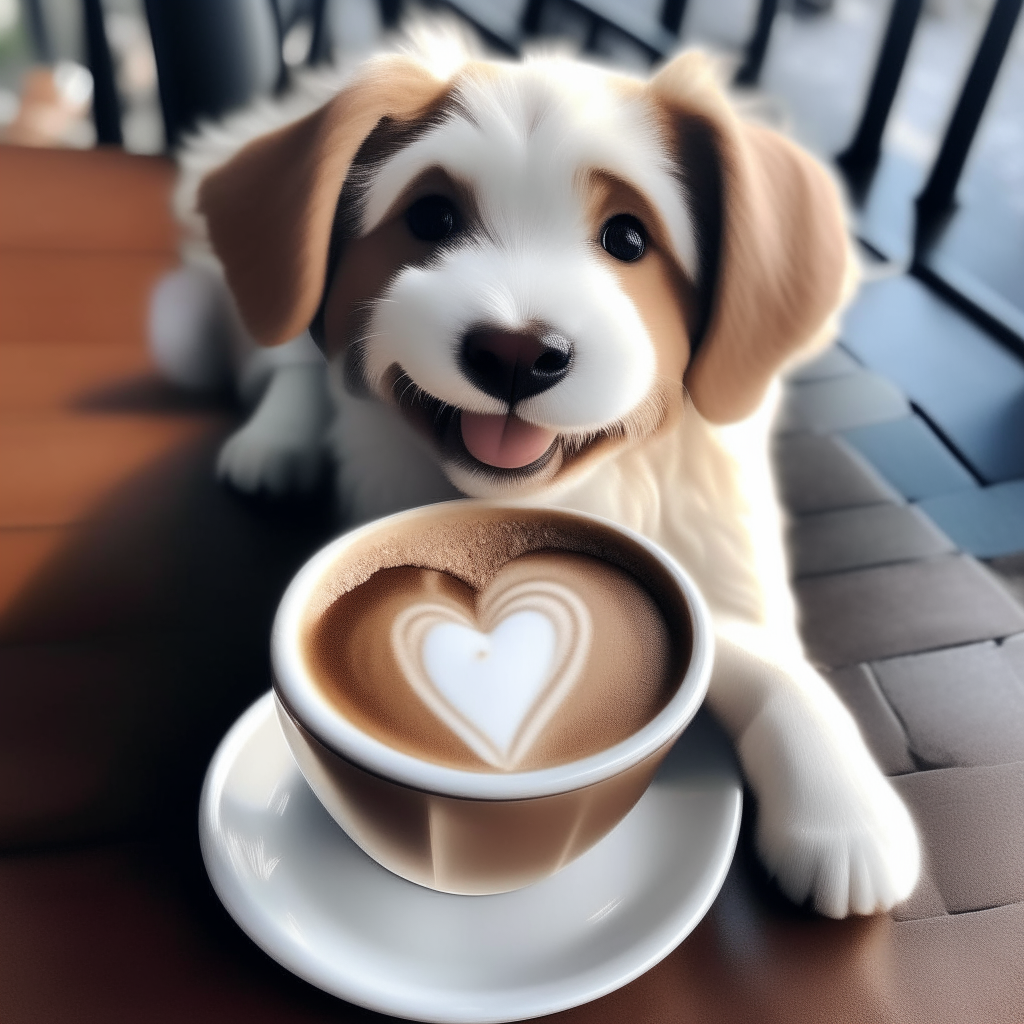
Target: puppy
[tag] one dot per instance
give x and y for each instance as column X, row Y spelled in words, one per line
column 552, row 282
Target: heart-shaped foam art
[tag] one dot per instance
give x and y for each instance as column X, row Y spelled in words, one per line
column 496, row 682
column 551, row 658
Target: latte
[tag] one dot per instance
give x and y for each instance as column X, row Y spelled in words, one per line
column 498, row 640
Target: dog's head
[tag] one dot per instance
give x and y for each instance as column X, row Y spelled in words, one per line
column 533, row 263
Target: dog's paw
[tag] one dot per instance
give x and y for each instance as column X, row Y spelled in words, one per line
column 256, row 459
column 281, row 448
column 831, row 829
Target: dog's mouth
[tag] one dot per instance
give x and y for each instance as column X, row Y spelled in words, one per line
column 498, row 444
column 504, row 441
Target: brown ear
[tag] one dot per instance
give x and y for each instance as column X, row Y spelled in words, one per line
column 269, row 210
column 774, row 252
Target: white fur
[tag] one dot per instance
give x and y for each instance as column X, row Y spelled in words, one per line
column 197, row 340
column 188, row 318
column 525, row 143
column 523, row 146
column 281, row 448
column 830, row 827
column 383, row 465
column 422, row 311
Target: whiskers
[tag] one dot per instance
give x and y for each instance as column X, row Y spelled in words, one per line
column 411, row 398
column 633, row 428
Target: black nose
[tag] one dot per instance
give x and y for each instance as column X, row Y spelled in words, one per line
column 515, row 365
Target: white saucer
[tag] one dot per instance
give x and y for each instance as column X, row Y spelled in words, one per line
column 307, row 895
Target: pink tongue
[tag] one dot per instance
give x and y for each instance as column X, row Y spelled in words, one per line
column 505, row 442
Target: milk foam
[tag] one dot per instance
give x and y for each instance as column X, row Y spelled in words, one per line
column 539, row 658
column 497, row 688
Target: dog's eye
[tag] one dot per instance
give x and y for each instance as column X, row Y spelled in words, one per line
column 624, row 238
column 432, row 218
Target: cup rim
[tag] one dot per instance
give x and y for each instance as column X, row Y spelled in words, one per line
column 304, row 701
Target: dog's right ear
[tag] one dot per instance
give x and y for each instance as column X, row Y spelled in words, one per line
column 269, row 210
column 774, row 251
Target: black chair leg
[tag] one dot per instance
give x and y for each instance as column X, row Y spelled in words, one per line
column 860, row 157
column 106, row 107
column 212, row 57
column 672, row 14
column 38, row 31
column 936, row 198
column 750, row 70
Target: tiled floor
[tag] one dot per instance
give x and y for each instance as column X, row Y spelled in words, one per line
column 969, row 480
column 855, row 399
column 867, row 535
column 918, row 639
column 987, row 522
column 937, row 695
column 969, row 386
column 911, row 457
column 883, row 611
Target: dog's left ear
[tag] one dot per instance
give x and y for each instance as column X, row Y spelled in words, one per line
column 269, row 210
column 773, row 249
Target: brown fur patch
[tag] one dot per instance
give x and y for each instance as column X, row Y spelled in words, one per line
column 269, row 210
column 368, row 264
column 663, row 296
column 775, row 252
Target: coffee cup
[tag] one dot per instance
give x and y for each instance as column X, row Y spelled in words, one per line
column 563, row 620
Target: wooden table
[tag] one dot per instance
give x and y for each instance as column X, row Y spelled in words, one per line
column 135, row 600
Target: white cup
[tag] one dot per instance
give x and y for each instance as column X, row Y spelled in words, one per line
column 456, row 830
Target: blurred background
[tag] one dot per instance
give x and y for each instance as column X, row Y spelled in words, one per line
column 136, row 593
column 918, row 101
column 817, row 60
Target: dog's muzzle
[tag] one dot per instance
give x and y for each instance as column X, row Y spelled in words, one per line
column 510, row 366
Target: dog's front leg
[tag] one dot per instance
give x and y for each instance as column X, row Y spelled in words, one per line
column 198, row 340
column 281, row 448
column 830, row 827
